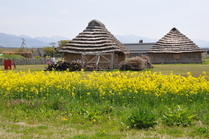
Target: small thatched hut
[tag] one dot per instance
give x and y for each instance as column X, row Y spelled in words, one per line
column 175, row 47
column 96, row 47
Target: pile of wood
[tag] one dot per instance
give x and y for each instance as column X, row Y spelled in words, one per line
column 62, row 66
column 136, row 63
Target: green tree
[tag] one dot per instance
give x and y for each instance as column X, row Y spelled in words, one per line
column 49, row 51
column 62, row 43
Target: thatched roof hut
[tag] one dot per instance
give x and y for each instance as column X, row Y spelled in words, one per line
column 175, row 47
column 95, row 45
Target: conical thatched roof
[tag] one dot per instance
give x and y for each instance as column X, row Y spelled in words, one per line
column 174, row 42
column 94, row 39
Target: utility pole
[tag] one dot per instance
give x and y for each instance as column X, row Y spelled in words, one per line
column 23, row 45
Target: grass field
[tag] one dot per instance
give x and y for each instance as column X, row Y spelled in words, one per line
column 28, row 67
column 106, row 105
column 179, row 69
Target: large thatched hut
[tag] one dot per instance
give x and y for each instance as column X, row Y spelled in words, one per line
column 96, row 47
column 175, row 47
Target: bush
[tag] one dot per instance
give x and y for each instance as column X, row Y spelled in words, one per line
column 178, row 116
column 141, row 119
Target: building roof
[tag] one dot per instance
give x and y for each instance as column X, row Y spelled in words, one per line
column 174, row 42
column 94, row 39
column 138, row 47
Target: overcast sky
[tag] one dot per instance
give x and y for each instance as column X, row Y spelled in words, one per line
column 67, row 18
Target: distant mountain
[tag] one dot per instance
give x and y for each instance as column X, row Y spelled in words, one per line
column 7, row 40
column 135, row 39
column 51, row 39
column 201, row 43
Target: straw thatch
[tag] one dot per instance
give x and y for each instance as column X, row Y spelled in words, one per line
column 94, row 39
column 136, row 63
column 175, row 47
column 174, row 42
column 97, row 41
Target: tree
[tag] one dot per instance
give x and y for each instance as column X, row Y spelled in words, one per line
column 62, row 43
column 49, row 51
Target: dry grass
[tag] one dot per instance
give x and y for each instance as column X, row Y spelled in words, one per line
column 135, row 63
column 23, row 130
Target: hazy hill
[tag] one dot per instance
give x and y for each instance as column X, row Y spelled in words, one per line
column 201, row 43
column 134, row 39
column 7, row 40
column 51, row 39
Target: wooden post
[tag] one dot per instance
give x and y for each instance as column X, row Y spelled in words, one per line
column 83, row 60
column 112, row 61
column 98, row 59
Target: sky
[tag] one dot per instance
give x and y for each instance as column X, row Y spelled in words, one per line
column 67, row 18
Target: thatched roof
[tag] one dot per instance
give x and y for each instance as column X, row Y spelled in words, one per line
column 94, row 39
column 174, row 42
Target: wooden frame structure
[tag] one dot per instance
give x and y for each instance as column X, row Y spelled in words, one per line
column 99, row 61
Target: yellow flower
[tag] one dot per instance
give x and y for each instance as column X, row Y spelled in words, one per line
column 64, row 119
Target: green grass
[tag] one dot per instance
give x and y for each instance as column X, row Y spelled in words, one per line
column 28, row 67
column 181, row 69
column 178, row 69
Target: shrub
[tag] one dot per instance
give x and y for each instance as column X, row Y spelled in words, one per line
column 178, row 116
column 141, row 119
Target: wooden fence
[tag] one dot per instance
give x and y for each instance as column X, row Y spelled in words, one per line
column 25, row 61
